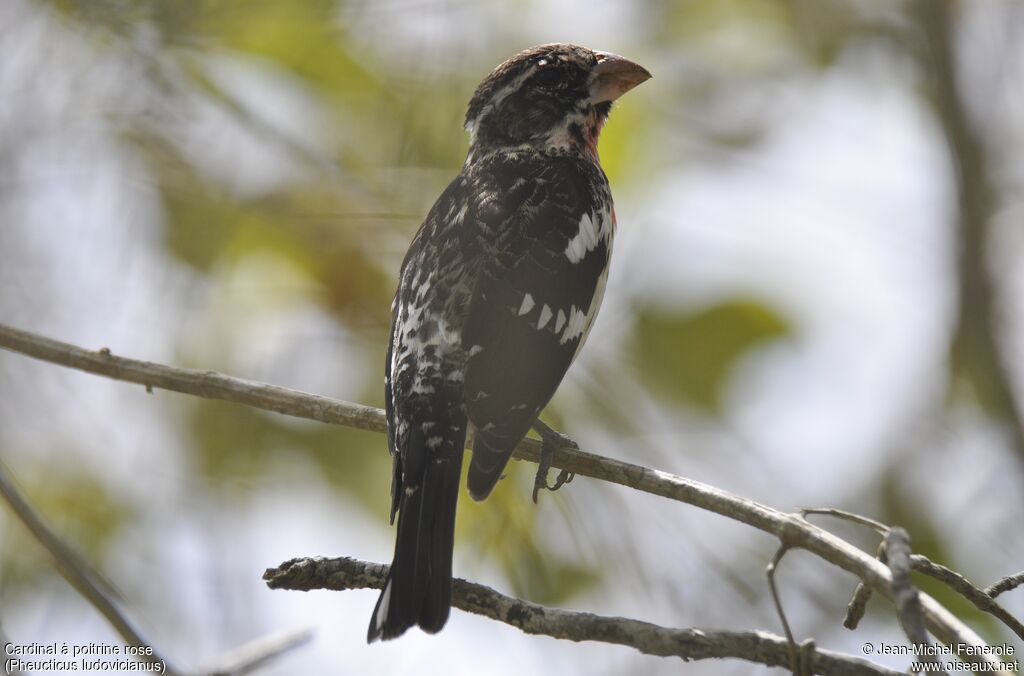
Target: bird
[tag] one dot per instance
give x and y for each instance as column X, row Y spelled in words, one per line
column 496, row 296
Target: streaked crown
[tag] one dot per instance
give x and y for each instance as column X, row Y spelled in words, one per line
column 550, row 94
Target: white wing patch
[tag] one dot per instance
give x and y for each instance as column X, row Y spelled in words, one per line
column 580, row 322
column 527, row 304
column 576, row 326
column 574, row 323
column 545, row 317
column 595, row 306
column 591, row 232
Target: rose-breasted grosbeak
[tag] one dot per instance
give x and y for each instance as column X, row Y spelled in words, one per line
column 496, row 296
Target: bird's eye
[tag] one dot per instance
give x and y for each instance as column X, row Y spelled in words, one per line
column 547, row 77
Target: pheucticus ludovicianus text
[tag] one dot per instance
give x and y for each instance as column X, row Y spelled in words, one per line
column 495, row 298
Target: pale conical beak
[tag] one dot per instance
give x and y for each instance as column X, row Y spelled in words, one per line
column 613, row 76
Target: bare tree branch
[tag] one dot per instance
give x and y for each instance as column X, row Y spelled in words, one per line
column 1006, row 584
column 689, row 644
column 862, row 594
column 857, row 605
column 791, row 529
column 844, row 515
column 982, row 600
column 94, row 588
column 207, row 384
column 251, row 656
column 791, row 644
column 908, row 599
column 976, row 351
column 77, row 571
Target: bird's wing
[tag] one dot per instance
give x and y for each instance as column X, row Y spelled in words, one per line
column 426, row 422
column 423, row 370
column 535, row 298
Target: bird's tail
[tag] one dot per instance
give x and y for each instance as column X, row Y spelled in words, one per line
column 419, row 586
column 491, row 453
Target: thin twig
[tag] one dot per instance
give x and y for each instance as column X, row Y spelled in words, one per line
column 689, row 644
column 251, row 656
column 90, row 584
column 844, row 515
column 858, row 604
column 961, row 585
column 982, row 599
column 1008, row 583
column 207, row 384
column 76, row 570
column 791, row 529
column 773, row 565
column 908, row 601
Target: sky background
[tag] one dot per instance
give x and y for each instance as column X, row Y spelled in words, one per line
column 231, row 186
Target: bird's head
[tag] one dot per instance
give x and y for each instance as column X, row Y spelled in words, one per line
column 551, row 96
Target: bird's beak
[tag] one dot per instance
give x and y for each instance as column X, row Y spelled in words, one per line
column 613, row 76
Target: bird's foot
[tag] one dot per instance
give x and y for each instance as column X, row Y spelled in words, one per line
column 550, row 441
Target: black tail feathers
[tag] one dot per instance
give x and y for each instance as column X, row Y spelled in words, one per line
column 490, row 456
column 419, row 586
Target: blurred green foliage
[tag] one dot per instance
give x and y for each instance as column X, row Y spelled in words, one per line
column 817, row 29
column 392, row 138
column 504, row 529
column 238, row 448
column 689, row 357
column 81, row 510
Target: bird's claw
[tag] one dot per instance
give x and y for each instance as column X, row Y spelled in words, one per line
column 550, row 441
